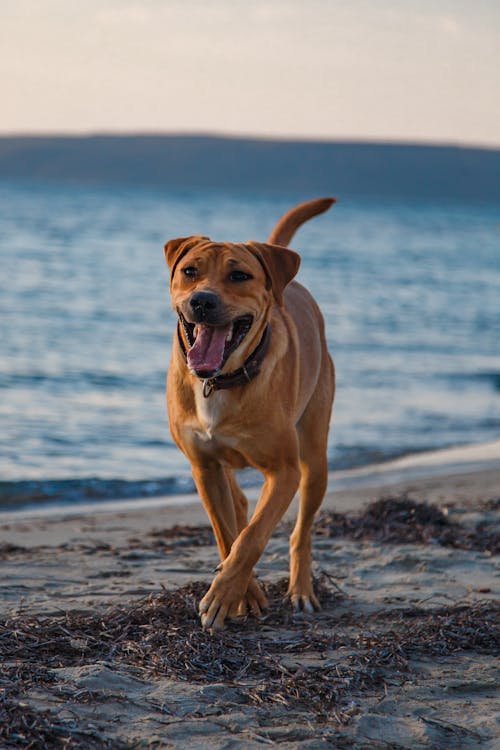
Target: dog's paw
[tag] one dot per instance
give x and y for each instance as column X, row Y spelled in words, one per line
column 253, row 603
column 222, row 598
column 303, row 599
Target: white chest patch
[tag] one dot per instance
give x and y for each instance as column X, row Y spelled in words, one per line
column 211, row 411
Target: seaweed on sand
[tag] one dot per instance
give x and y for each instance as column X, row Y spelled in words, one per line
column 402, row 520
column 161, row 636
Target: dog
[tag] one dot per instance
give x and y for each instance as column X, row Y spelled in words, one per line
column 250, row 383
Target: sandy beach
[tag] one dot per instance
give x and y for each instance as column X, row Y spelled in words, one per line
column 101, row 645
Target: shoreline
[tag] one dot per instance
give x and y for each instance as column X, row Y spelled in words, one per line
column 428, row 465
column 114, row 522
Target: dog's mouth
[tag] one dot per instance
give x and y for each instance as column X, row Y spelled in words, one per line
column 209, row 346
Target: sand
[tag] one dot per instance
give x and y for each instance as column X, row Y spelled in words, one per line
column 101, row 645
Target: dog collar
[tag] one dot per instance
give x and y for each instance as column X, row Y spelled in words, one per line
column 244, row 374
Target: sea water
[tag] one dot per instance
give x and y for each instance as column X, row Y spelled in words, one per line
column 410, row 293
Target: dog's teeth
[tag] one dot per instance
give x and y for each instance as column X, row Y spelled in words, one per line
column 195, row 332
column 229, row 334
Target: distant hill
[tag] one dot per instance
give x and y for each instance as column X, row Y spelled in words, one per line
column 360, row 169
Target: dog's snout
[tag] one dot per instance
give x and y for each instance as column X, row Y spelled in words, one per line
column 204, row 306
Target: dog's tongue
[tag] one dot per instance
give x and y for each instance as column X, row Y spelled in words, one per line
column 207, row 352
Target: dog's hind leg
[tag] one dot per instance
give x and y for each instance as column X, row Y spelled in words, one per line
column 313, row 434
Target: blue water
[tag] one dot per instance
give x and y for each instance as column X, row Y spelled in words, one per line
column 410, row 293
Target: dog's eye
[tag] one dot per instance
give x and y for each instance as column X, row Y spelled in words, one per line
column 189, row 271
column 239, row 276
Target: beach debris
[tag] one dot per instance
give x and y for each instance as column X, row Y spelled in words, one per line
column 319, row 669
column 318, row 666
column 401, row 520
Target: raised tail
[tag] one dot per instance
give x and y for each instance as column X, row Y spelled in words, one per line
column 291, row 221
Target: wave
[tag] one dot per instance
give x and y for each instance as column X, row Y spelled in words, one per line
column 93, row 379
column 84, row 493
column 26, row 494
column 489, row 378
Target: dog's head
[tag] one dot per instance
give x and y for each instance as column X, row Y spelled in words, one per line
column 223, row 294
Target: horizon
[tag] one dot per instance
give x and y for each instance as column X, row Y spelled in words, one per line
column 243, row 136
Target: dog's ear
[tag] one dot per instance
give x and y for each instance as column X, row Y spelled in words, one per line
column 279, row 263
column 175, row 249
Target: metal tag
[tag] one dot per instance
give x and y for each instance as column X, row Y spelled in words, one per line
column 208, row 387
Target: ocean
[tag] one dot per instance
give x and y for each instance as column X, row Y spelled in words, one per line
column 410, row 292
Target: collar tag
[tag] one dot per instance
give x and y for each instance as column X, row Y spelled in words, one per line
column 208, row 387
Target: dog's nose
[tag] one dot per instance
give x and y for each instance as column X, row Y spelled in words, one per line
column 204, row 305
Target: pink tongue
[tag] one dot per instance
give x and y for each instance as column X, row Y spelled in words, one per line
column 208, row 349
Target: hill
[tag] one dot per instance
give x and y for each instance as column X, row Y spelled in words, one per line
column 182, row 161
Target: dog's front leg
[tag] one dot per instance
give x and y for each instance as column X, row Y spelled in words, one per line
column 217, row 489
column 235, row 571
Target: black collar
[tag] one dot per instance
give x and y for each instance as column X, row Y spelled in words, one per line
column 247, row 372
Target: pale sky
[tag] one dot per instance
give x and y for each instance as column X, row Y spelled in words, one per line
column 424, row 70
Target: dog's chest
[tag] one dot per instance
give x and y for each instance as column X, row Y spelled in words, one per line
column 216, row 429
column 212, row 412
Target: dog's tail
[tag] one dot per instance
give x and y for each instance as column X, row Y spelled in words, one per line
column 291, row 221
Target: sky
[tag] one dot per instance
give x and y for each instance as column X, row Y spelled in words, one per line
column 405, row 70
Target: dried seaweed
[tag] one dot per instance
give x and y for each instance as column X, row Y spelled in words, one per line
column 23, row 727
column 393, row 520
column 9, row 550
column 401, row 520
column 378, row 656
column 161, row 540
column 318, row 667
column 198, row 536
column 162, row 634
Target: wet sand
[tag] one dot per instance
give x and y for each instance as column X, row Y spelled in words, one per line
column 101, row 645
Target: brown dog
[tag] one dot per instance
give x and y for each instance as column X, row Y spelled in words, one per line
column 250, row 383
